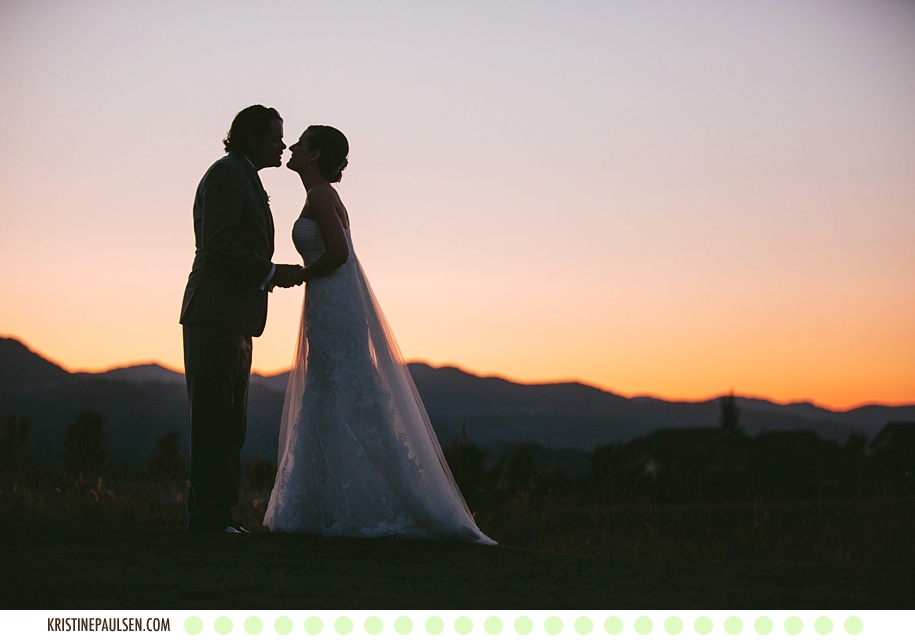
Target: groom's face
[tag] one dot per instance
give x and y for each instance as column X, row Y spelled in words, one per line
column 268, row 151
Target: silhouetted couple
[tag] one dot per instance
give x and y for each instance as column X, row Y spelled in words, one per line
column 357, row 453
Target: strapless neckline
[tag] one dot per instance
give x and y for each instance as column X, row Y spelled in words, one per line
column 313, row 220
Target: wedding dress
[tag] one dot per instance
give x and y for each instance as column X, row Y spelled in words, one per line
column 357, row 453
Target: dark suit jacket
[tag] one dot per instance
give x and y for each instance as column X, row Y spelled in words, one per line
column 233, row 229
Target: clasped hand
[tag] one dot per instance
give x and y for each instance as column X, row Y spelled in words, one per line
column 288, row 275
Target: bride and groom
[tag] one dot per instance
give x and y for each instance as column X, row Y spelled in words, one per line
column 357, row 454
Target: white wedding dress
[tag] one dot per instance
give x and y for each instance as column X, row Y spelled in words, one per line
column 357, row 453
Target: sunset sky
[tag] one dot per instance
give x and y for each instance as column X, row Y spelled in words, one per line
column 657, row 197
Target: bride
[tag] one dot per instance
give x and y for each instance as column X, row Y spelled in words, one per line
column 357, row 453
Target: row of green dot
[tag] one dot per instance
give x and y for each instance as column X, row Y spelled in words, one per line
column 553, row 625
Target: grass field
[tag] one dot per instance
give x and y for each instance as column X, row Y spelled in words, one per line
column 142, row 569
column 123, row 547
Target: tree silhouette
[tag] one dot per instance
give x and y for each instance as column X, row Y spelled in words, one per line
column 14, row 454
column 521, row 472
column 166, row 463
column 86, row 444
column 730, row 412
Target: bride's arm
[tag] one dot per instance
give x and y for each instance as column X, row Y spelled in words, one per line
column 322, row 207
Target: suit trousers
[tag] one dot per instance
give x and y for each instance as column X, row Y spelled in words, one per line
column 217, row 365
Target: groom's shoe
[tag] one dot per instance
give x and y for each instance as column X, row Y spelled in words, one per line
column 235, row 527
column 214, row 525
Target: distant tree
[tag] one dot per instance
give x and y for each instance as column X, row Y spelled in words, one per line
column 14, row 453
column 166, row 463
column 730, row 412
column 521, row 471
column 892, row 458
column 86, row 444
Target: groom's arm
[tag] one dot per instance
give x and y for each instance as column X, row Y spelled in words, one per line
column 222, row 203
column 265, row 285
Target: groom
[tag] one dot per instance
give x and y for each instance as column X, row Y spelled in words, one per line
column 225, row 304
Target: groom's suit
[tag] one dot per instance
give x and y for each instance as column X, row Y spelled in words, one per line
column 233, row 228
column 225, row 304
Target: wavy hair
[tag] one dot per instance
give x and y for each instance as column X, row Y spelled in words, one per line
column 253, row 121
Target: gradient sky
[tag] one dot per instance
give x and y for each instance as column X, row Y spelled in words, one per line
column 670, row 198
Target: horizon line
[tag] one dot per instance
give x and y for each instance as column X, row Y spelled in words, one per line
column 498, row 376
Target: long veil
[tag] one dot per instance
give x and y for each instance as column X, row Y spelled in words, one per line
column 432, row 486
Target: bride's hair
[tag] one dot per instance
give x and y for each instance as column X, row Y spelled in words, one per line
column 334, row 149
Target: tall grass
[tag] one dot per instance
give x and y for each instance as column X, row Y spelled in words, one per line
column 844, row 532
column 869, row 531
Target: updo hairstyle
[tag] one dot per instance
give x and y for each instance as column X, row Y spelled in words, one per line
column 334, row 149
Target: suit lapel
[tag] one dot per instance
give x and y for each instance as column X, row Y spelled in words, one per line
column 261, row 196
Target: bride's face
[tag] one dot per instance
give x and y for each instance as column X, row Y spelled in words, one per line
column 301, row 156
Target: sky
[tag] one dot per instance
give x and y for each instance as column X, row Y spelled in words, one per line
column 677, row 199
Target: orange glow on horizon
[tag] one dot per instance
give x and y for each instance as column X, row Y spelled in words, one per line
column 831, row 393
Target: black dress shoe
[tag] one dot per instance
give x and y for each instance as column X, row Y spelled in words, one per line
column 234, row 527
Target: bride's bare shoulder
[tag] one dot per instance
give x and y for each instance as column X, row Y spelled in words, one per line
column 324, row 197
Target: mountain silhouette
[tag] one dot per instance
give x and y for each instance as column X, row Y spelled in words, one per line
column 19, row 364
column 151, row 373
column 144, row 402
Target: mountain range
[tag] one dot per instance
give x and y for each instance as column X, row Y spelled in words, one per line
column 144, row 402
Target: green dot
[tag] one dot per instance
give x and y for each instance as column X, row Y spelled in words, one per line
column 613, row 625
column 343, row 625
column 435, row 625
column 763, row 626
column 313, row 625
column 194, row 625
column 673, row 625
column 643, row 625
column 223, row 625
column 253, row 625
column 553, row 625
column 823, row 625
column 493, row 625
column 463, row 625
column 373, row 625
column 584, row 626
column 733, row 625
column 793, row 625
column 524, row 625
column 703, row 625
column 283, row 626
column 403, row 625
column 854, row 625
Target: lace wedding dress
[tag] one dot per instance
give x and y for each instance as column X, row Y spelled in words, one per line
column 357, row 453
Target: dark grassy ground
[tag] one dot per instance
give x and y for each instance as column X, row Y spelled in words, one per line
column 122, row 546
column 97, row 568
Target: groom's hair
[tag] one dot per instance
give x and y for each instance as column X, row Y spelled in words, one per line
column 253, row 121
